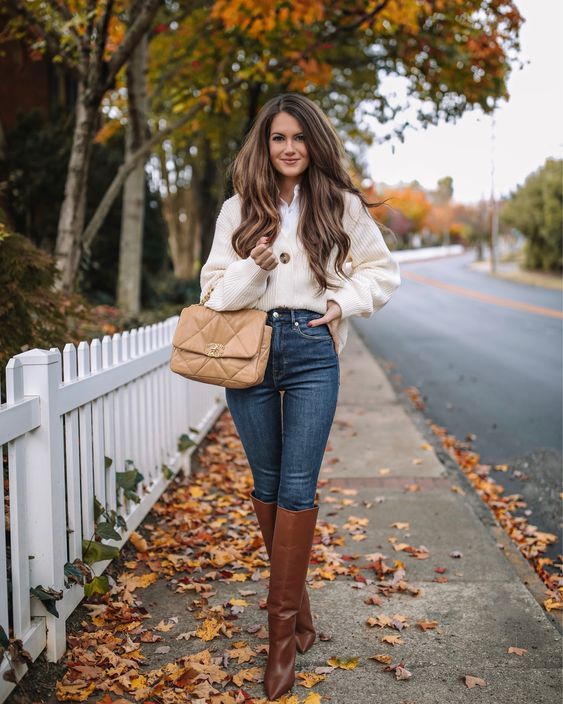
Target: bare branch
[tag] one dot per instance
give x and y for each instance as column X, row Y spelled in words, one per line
column 126, row 168
column 140, row 25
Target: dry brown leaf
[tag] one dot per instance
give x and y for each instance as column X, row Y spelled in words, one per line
column 252, row 674
column 471, row 681
column 386, row 659
column 138, row 542
column 392, row 640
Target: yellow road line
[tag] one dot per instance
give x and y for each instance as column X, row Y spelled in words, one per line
column 495, row 300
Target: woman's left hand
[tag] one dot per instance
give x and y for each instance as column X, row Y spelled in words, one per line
column 331, row 318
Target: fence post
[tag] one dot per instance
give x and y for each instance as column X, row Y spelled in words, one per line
column 45, row 520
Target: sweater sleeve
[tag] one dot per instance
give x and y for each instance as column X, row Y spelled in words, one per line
column 238, row 283
column 375, row 274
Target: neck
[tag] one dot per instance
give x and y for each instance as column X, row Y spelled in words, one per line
column 286, row 186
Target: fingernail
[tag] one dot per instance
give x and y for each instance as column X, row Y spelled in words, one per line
column 309, row 325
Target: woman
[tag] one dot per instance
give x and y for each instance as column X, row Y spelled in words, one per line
column 280, row 245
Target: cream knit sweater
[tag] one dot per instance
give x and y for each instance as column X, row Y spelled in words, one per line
column 241, row 283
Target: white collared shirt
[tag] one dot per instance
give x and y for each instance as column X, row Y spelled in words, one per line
column 290, row 215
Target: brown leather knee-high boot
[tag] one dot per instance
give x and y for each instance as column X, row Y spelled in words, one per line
column 291, row 550
column 304, row 629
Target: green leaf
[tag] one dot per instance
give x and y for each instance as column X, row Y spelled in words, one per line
column 108, row 462
column 48, row 597
column 4, row 640
column 184, row 442
column 120, row 522
column 99, row 585
column 74, row 575
column 132, row 496
column 168, row 473
column 128, row 480
column 106, row 531
column 98, row 509
column 93, row 551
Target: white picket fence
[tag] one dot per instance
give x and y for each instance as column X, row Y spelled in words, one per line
column 115, row 398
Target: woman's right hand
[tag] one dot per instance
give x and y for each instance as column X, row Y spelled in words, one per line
column 263, row 254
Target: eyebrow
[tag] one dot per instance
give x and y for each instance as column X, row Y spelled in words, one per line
column 283, row 133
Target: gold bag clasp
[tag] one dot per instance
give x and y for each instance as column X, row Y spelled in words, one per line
column 214, row 349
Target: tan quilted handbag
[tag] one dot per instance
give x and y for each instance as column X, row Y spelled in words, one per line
column 226, row 348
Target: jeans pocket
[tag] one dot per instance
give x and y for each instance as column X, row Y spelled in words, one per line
column 316, row 332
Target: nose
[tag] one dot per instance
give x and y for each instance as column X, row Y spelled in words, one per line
column 289, row 148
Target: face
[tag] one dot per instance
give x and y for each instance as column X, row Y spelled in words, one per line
column 288, row 151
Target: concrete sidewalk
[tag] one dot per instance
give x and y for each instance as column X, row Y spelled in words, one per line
column 483, row 609
column 421, row 552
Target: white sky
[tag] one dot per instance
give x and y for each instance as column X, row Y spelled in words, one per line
column 528, row 126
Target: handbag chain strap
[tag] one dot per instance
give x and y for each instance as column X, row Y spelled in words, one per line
column 205, row 297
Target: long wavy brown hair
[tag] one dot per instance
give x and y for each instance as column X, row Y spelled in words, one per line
column 321, row 193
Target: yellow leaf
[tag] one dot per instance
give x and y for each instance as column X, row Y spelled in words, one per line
column 238, row 602
column 309, row 679
column 75, row 692
column 138, row 542
column 238, row 577
column 312, row 698
column 349, row 664
column 209, row 629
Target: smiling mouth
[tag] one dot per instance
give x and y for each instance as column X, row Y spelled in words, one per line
column 290, row 161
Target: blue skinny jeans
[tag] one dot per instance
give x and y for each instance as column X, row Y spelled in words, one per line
column 284, row 435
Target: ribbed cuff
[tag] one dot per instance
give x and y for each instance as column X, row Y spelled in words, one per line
column 248, row 270
column 348, row 300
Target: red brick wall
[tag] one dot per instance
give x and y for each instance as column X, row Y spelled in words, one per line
column 23, row 83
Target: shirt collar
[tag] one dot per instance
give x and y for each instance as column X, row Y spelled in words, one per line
column 296, row 190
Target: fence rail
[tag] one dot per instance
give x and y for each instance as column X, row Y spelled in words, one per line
column 71, row 421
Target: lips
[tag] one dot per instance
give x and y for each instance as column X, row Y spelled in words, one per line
column 290, row 162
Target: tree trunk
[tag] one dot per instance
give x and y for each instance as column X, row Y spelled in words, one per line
column 132, row 222
column 184, row 231
column 71, row 219
column 205, row 183
column 97, row 76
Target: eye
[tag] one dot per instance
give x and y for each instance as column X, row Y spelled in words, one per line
column 301, row 137
column 277, row 137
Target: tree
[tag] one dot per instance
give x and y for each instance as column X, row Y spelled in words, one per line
column 95, row 40
column 536, row 209
column 131, row 241
column 453, row 55
column 215, row 62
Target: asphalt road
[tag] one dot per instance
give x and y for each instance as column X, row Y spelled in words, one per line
column 486, row 356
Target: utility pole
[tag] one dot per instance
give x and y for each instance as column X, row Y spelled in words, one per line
column 493, row 209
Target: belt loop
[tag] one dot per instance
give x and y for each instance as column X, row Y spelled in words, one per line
column 292, row 316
